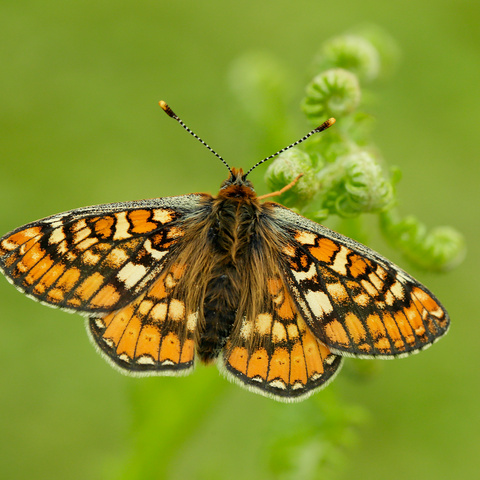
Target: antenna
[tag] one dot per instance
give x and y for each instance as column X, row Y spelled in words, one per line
column 171, row 113
column 321, row 128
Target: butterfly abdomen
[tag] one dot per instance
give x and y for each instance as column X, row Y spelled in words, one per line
column 219, row 315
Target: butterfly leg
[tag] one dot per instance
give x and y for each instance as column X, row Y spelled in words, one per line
column 282, row 190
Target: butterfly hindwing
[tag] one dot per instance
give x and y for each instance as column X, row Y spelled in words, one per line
column 354, row 300
column 275, row 353
column 152, row 335
column 96, row 258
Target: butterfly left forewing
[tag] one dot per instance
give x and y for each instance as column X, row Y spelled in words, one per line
column 275, row 353
column 355, row 301
column 96, row 258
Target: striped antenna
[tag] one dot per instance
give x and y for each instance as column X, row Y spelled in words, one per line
column 171, row 113
column 321, row 128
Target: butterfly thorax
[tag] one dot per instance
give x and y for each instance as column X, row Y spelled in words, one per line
column 235, row 212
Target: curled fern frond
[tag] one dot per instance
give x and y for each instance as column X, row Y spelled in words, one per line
column 439, row 249
column 353, row 53
column 285, row 169
column 363, row 187
column 333, row 93
column 388, row 50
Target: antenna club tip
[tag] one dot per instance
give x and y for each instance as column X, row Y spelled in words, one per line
column 166, row 108
column 326, row 124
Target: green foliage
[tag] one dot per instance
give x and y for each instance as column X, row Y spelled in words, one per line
column 310, row 440
column 343, row 171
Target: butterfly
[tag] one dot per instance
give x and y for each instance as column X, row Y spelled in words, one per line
column 275, row 299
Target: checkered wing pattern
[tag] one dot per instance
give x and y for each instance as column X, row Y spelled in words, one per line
column 276, row 353
column 152, row 335
column 95, row 259
column 355, row 301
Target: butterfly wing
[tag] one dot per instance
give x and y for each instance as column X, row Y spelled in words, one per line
column 154, row 334
column 276, row 354
column 95, row 259
column 354, row 300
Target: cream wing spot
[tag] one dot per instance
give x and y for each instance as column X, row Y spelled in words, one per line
column 381, row 272
column 176, row 310
column 156, row 254
column 9, row 245
column 263, row 323
column 57, row 236
column 337, row 291
column 278, row 332
column 145, row 360
column 116, row 257
column 162, row 216
column 369, row 288
column 363, row 300
column 121, row 226
column 319, row 303
column 145, row 307
column 99, row 323
column 292, row 330
column 376, row 282
column 311, row 273
column 341, row 260
column 277, row 383
column 62, row 248
column 78, row 225
column 124, row 357
column 84, row 244
column 81, row 235
column 55, row 223
column 90, row 258
column 192, row 321
column 389, row 298
column 397, row 290
column 131, row 274
column 305, row 238
column 159, row 312
column 246, row 328
column 289, row 250
column 330, row 359
column 170, row 281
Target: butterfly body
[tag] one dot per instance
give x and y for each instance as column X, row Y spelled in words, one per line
column 233, row 255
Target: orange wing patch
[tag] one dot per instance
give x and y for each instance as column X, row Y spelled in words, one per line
column 276, row 354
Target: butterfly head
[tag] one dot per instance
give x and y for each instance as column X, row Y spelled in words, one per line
column 236, row 186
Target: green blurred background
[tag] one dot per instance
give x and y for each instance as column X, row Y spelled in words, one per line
column 80, row 125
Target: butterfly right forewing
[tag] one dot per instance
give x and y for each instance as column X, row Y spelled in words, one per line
column 355, row 301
